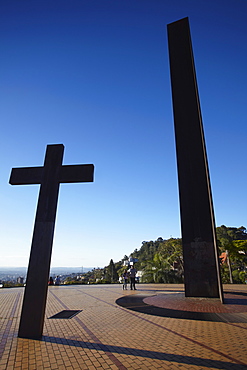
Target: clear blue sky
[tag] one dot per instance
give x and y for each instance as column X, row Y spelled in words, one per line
column 94, row 75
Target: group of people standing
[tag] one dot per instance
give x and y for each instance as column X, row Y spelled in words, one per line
column 52, row 282
column 131, row 273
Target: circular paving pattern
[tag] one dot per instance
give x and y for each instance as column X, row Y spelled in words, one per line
column 176, row 305
column 233, row 303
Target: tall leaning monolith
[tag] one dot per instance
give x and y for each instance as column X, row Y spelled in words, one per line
column 201, row 262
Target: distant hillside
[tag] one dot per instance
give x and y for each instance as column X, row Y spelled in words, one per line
column 69, row 270
column 54, row 270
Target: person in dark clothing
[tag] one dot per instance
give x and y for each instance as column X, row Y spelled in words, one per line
column 132, row 275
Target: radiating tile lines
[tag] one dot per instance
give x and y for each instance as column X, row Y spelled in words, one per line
column 111, row 356
column 169, row 330
column 8, row 326
column 108, row 349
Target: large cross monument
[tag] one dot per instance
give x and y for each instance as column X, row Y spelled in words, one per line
column 49, row 177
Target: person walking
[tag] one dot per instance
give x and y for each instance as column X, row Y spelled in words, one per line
column 125, row 277
column 132, row 275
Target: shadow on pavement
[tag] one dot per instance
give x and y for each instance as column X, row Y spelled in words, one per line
column 135, row 303
column 170, row 357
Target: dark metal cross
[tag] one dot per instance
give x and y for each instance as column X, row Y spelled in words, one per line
column 49, row 177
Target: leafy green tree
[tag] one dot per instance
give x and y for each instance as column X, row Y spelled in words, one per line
column 233, row 240
column 146, row 252
column 228, row 234
column 166, row 266
column 155, row 269
column 111, row 274
column 172, row 251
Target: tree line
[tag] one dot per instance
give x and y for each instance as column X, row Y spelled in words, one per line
column 161, row 261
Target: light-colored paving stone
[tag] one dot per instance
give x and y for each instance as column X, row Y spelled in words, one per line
column 107, row 336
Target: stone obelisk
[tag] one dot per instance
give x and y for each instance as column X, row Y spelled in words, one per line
column 201, row 262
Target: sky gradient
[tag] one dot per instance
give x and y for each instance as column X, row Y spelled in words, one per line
column 94, row 76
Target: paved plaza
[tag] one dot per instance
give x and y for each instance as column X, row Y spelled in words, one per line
column 153, row 327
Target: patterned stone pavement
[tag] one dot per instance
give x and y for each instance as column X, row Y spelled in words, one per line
column 144, row 329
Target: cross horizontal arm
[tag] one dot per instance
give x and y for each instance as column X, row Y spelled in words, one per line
column 26, row 175
column 77, row 173
column 68, row 174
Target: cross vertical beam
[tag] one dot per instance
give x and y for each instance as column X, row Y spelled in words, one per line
column 201, row 262
column 49, row 177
